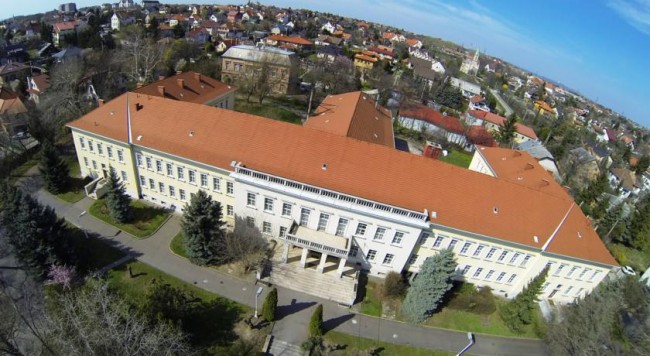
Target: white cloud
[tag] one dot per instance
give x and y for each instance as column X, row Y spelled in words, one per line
column 635, row 12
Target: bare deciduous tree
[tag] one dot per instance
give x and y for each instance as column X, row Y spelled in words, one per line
column 246, row 245
column 139, row 55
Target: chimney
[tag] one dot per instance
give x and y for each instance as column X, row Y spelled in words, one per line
column 161, row 90
column 181, row 83
column 100, row 102
column 138, row 85
column 197, row 76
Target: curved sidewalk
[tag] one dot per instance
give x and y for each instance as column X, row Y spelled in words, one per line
column 295, row 308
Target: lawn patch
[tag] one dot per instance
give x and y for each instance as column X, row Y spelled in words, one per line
column 458, row 158
column 92, row 253
column 267, row 110
column 356, row 345
column 146, row 218
column 20, row 171
column 627, row 256
column 178, row 246
column 371, row 304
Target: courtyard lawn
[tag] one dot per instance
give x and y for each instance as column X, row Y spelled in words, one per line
column 357, row 345
column 146, row 218
column 371, row 304
column 177, row 245
column 93, row 254
column 458, row 158
column 268, row 110
column 75, row 190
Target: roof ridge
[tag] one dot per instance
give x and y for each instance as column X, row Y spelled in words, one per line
column 356, row 108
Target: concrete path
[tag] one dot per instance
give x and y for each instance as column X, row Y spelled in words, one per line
column 508, row 110
column 294, row 308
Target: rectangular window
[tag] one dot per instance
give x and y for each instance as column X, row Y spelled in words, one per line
column 525, row 261
column 559, row 269
column 579, row 292
column 341, row 227
column 478, row 250
column 158, row 166
column 490, row 253
column 283, row 231
column 423, row 238
column 230, row 189
column 161, row 187
column 489, row 275
column 452, row 244
column 466, row 269
column 397, row 239
column 216, row 184
column 86, row 162
column 568, row 290
column 148, row 160
column 502, row 256
column 465, row 248
column 250, row 221
column 152, row 184
column 170, row 169
column 143, row 181
column 322, row 222
column 304, row 216
column 172, row 191
column 94, row 164
column 583, row 273
column 361, row 229
column 379, row 234
column 593, row 276
column 572, row 271
column 109, row 152
column 192, row 176
column 371, row 255
column 511, row 279
column 412, row 259
column 514, row 258
column 250, row 199
column 230, row 211
column 354, row 250
column 286, row 209
column 120, row 156
column 478, row 272
column 180, row 173
column 501, row 275
column 100, row 149
column 181, row 194
column 124, row 176
column 438, row 241
column 266, row 227
column 138, row 159
column 388, row 259
column 82, row 143
column 204, row 180
column 268, row 205
column 90, row 146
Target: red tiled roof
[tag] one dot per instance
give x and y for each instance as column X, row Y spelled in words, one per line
column 544, row 106
column 65, row 26
column 479, row 135
column 500, row 121
column 476, row 99
column 412, row 41
column 289, row 39
column 364, row 57
column 462, row 199
column 197, row 88
column 421, row 112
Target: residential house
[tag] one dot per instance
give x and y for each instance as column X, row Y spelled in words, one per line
column 14, row 53
column 347, row 203
column 118, row 19
column 192, row 87
column 12, row 71
column 68, row 53
column 478, row 102
column 393, row 37
column 365, row 61
column 494, row 122
column 382, row 52
column 330, row 53
column 545, row 109
column 234, row 16
column 241, row 59
column 468, row 89
column 545, row 158
column 425, row 119
column 326, row 40
column 291, row 43
column 37, row 85
column 601, row 153
column 414, row 43
column 426, row 71
column 61, row 29
column 625, row 181
column 329, row 27
column 580, row 166
column 12, row 112
column 199, row 35
column 125, row 4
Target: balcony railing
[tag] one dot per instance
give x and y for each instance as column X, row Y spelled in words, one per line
column 312, row 245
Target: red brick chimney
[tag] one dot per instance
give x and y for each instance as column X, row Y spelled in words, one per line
column 197, row 76
column 181, row 83
column 138, row 85
column 100, row 102
column 161, row 90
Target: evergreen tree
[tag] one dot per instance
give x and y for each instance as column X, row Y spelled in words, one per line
column 637, row 232
column 520, row 311
column 46, row 32
column 117, row 201
column 316, row 322
column 54, row 170
column 430, row 286
column 270, row 305
column 506, row 134
column 203, row 236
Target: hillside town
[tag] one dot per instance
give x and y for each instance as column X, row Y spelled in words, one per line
column 298, row 153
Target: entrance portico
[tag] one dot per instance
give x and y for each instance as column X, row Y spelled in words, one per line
column 320, row 242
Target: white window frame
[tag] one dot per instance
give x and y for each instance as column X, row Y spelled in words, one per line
column 465, row 248
column 323, row 221
column 379, row 234
column 478, row 272
column 388, row 259
column 250, row 199
column 361, row 229
column 120, row 156
column 341, row 226
column 371, row 255
column 287, row 209
column 180, row 173
column 398, row 238
column 268, row 204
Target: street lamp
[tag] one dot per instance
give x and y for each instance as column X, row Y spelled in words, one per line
column 257, row 294
column 470, row 337
column 79, row 221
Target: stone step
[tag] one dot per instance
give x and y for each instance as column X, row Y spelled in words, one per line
column 327, row 286
column 282, row 348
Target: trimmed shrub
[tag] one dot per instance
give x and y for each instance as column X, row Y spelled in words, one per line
column 270, row 305
column 316, row 322
column 394, row 285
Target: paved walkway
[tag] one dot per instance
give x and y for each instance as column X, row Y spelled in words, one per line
column 508, row 110
column 294, row 308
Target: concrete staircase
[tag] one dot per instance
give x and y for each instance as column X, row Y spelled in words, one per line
column 282, row 348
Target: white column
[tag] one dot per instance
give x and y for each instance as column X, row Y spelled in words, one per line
column 303, row 257
column 339, row 271
column 285, row 255
column 321, row 265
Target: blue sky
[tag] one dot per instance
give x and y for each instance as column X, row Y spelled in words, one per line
column 598, row 47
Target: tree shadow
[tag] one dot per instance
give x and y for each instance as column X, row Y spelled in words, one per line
column 333, row 323
column 294, row 307
column 210, row 322
column 362, row 282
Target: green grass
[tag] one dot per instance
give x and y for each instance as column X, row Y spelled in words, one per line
column 371, row 304
column 177, row 245
column 267, row 110
column 93, row 254
column 213, row 317
column 75, row 190
column 627, row 256
column 20, row 171
column 146, row 218
column 357, row 345
column 459, row 158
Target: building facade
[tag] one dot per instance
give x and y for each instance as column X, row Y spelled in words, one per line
column 347, row 200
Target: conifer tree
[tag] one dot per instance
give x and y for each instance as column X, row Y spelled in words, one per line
column 54, row 170
column 520, row 311
column 201, row 226
column 117, row 201
column 506, row 134
column 270, row 305
column 316, row 322
column 430, row 286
